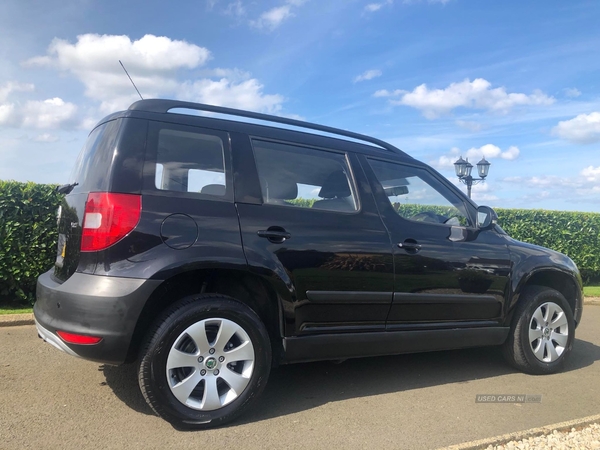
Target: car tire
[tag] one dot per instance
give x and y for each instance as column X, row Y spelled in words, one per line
column 206, row 359
column 542, row 333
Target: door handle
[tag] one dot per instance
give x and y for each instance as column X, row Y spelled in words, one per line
column 410, row 245
column 276, row 236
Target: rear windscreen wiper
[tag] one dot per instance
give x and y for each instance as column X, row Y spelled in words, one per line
column 66, row 188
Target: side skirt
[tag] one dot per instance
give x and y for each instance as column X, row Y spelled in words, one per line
column 357, row 345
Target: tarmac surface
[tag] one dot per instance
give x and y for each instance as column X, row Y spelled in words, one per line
column 51, row 400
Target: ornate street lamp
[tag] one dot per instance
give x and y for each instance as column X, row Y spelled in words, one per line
column 463, row 172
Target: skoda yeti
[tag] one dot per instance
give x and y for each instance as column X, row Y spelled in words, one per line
column 209, row 250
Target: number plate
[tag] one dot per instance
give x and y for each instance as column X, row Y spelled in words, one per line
column 60, row 250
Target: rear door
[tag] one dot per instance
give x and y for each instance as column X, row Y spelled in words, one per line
column 316, row 229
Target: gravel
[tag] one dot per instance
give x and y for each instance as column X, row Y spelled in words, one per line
column 584, row 438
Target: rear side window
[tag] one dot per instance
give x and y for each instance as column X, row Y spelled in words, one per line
column 189, row 161
column 94, row 160
column 304, row 178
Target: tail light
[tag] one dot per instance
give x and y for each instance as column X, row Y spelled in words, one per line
column 108, row 218
column 80, row 339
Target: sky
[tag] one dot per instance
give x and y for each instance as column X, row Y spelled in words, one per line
column 517, row 82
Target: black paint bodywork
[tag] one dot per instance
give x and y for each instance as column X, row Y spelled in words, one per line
column 339, row 287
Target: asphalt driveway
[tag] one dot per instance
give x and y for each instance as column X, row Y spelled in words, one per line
column 51, row 400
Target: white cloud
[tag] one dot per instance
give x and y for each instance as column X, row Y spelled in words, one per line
column 511, row 153
column 46, row 137
column 583, row 129
column 9, row 112
column 6, row 113
column 156, row 65
column 10, row 86
column 575, row 189
column 591, row 174
column 50, row 113
column 474, row 154
column 447, row 161
column 100, row 54
column 234, row 75
column 384, row 93
column 491, row 151
column 542, row 181
column 476, row 94
column 482, row 193
column 368, row 75
column 274, row 17
column 245, row 95
column 235, row 9
column 372, row 7
column 152, row 61
column 488, row 150
column 572, row 92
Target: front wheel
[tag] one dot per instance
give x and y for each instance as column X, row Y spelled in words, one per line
column 206, row 359
column 542, row 333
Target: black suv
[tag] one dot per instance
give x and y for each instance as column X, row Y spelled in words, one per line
column 209, row 250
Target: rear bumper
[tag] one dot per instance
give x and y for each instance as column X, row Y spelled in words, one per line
column 93, row 305
column 53, row 339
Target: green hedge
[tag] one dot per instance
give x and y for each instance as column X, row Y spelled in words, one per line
column 576, row 234
column 28, row 235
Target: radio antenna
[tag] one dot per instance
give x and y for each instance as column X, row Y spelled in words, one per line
column 131, row 80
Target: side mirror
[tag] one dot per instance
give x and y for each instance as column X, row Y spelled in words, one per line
column 486, row 217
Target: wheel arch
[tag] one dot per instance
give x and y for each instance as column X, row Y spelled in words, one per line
column 242, row 285
column 563, row 282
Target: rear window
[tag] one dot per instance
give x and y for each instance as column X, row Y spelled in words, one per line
column 93, row 162
column 304, row 177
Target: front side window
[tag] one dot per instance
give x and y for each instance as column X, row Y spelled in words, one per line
column 416, row 195
column 305, row 178
column 190, row 162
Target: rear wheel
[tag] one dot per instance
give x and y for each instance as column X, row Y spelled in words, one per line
column 542, row 333
column 206, row 359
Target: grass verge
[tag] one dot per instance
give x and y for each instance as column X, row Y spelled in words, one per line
column 591, row 291
column 14, row 310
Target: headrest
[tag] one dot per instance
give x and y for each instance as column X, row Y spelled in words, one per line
column 213, row 189
column 336, row 185
column 279, row 189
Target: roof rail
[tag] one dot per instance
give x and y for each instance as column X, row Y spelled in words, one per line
column 164, row 106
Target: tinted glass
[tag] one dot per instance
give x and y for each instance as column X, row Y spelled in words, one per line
column 416, row 195
column 190, row 162
column 306, row 178
column 93, row 163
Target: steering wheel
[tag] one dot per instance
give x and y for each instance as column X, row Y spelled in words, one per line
column 426, row 216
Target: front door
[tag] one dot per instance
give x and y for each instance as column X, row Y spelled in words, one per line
column 447, row 273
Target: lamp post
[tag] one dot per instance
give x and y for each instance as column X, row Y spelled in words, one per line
column 463, row 172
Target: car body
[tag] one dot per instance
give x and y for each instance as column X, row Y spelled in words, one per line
column 329, row 247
